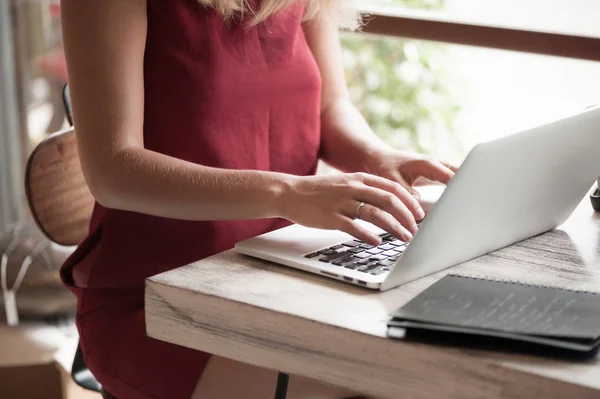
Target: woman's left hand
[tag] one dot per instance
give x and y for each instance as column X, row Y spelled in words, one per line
column 407, row 168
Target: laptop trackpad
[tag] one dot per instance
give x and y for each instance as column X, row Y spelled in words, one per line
column 300, row 240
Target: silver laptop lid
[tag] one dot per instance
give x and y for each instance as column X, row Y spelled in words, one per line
column 507, row 190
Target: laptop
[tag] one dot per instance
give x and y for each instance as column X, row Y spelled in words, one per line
column 506, row 190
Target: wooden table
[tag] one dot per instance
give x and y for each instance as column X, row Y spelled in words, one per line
column 267, row 315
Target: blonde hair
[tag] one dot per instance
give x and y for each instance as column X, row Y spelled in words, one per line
column 343, row 11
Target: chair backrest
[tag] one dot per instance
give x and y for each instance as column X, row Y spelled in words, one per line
column 59, row 199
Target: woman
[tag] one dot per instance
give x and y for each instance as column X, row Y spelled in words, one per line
column 199, row 124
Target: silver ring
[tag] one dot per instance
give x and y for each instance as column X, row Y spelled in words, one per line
column 358, row 209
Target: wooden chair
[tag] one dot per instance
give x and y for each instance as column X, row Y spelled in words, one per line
column 61, row 205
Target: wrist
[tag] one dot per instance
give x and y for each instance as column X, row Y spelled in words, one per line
column 374, row 157
column 282, row 191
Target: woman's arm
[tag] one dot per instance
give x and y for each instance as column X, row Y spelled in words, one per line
column 348, row 143
column 104, row 45
column 347, row 140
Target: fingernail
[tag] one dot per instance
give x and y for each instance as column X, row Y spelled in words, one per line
column 407, row 236
column 414, row 229
column 420, row 213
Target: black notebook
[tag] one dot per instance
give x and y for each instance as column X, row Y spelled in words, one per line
column 501, row 315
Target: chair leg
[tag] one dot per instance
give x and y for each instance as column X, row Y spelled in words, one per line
column 81, row 374
column 282, row 386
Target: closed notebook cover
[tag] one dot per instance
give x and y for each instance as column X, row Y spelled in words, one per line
column 505, row 310
column 399, row 330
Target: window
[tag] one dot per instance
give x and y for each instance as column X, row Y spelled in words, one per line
column 442, row 98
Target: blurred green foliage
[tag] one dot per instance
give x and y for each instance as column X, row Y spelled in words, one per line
column 401, row 87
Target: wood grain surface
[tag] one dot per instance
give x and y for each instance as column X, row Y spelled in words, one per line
column 58, row 196
column 275, row 317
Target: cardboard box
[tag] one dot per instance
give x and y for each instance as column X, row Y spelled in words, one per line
column 35, row 361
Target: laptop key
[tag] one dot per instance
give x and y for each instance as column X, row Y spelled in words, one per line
column 386, row 247
column 334, row 256
column 353, row 266
column 378, row 271
column 368, row 268
column 377, row 257
column 393, row 258
column 336, row 247
column 328, row 252
column 374, row 251
column 364, row 262
column 338, row 262
column 391, row 253
column 386, row 262
column 351, row 244
column 344, row 261
column 366, row 246
column 313, row 255
column 363, row 255
column 355, row 250
column 397, row 243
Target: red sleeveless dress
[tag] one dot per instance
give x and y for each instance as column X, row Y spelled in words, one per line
column 223, row 96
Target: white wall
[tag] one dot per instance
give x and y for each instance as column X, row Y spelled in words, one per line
column 12, row 200
column 574, row 16
column 505, row 91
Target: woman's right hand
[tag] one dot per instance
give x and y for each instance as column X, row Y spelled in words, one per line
column 332, row 202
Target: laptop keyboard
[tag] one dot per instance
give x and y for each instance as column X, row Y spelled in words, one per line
column 362, row 257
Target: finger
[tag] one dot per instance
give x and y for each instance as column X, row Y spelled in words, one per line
column 435, row 170
column 388, row 202
column 421, row 181
column 385, row 221
column 397, row 177
column 453, row 168
column 347, row 225
column 397, row 190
